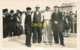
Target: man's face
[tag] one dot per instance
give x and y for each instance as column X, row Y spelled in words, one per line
column 19, row 14
column 37, row 9
column 56, row 9
column 47, row 9
column 11, row 13
column 5, row 13
column 28, row 11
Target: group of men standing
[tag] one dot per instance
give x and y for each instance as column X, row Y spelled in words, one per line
column 53, row 27
column 53, row 21
column 11, row 23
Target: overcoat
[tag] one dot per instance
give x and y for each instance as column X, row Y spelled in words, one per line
column 57, row 17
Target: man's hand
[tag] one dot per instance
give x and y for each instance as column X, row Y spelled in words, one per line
column 55, row 22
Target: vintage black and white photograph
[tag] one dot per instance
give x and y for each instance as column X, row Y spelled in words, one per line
column 39, row 23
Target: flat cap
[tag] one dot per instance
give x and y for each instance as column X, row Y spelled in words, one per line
column 28, row 8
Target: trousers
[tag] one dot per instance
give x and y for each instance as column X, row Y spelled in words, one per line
column 47, row 35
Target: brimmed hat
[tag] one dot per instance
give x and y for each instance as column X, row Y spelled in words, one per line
column 37, row 6
column 28, row 8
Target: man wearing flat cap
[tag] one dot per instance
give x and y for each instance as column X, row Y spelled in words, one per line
column 57, row 26
column 28, row 26
column 37, row 36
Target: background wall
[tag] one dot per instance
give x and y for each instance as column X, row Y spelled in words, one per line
column 22, row 4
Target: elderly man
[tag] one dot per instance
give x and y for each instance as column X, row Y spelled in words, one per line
column 37, row 36
column 57, row 25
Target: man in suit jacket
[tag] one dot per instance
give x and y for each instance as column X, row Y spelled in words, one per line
column 57, row 25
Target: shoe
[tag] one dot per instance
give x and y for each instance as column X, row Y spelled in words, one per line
column 56, row 43
column 28, row 45
column 46, row 43
column 62, row 44
column 34, row 42
column 50, row 44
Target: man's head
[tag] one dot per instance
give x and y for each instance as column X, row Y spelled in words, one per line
column 28, row 9
column 47, row 8
column 5, row 11
column 56, row 8
column 17, row 11
column 37, row 8
column 71, row 12
column 12, row 11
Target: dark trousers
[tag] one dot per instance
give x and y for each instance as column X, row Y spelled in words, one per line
column 5, row 31
column 71, row 28
column 58, row 36
column 28, row 34
column 75, row 28
column 18, row 30
column 11, row 31
column 28, row 39
column 37, row 36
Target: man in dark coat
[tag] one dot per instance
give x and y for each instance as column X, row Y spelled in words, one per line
column 11, row 23
column 17, row 23
column 71, row 21
column 37, row 36
column 28, row 26
column 66, row 24
column 57, row 25
column 5, row 23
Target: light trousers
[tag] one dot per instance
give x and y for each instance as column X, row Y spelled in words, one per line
column 47, row 35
